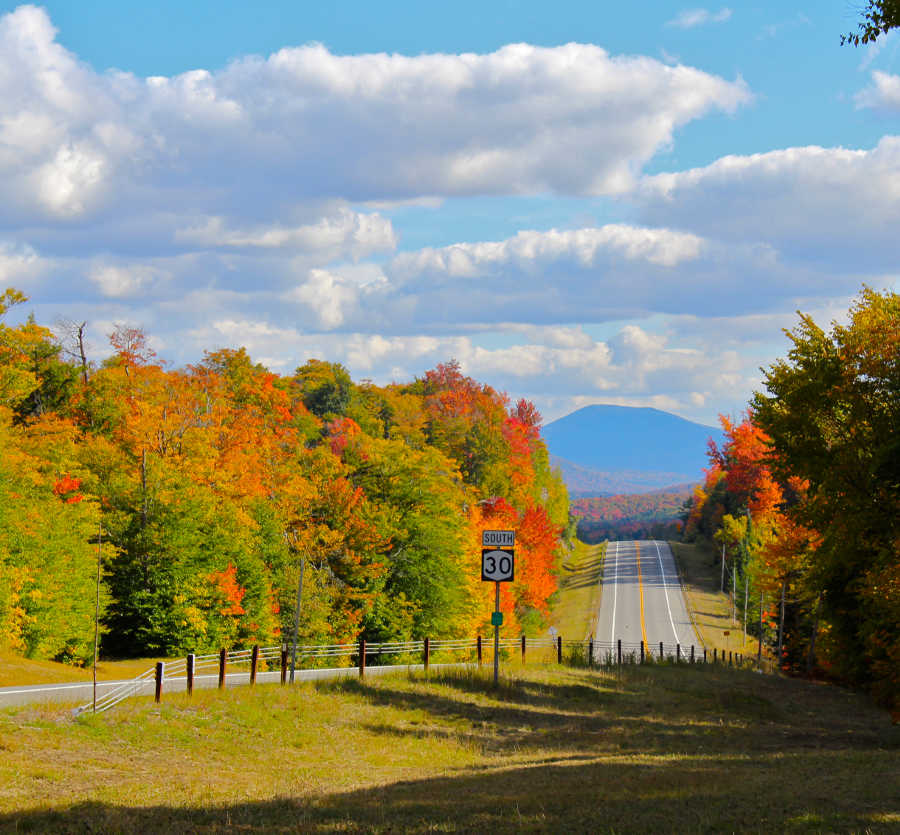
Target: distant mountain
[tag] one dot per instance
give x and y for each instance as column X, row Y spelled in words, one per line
column 606, row 450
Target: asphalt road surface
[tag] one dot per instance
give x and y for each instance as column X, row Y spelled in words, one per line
column 77, row 693
column 642, row 599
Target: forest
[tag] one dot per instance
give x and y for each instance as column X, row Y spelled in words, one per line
column 203, row 493
column 803, row 499
column 630, row 516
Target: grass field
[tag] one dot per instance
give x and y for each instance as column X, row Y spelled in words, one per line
column 15, row 670
column 652, row 749
column 709, row 607
column 578, row 597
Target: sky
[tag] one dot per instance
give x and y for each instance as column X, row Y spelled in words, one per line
column 579, row 203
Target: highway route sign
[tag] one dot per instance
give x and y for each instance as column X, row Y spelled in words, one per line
column 498, row 565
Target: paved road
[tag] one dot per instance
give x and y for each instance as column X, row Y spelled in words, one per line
column 79, row 694
column 642, row 598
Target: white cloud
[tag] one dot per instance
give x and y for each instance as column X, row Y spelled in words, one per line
column 835, row 208
column 344, row 233
column 530, row 250
column 245, row 144
column 122, row 281
column 883, row 94
column 18, row 265
column 691, row 18
column 326, row 294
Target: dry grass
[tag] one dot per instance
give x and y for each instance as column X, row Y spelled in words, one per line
column 654, row 749
column 578, row 597
column 710, row 609
column 17, row 671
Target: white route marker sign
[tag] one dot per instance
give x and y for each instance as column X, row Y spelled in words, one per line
column 498, row 556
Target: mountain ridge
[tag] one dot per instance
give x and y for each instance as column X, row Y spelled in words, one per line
column 607, row 450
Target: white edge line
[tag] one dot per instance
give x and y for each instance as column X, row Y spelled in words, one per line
column 612, row 637
column 662, row 573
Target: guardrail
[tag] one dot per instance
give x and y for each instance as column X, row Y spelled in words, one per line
column 273, row 662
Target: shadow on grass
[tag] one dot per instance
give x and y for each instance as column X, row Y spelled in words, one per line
column 656, row 710
column 571, row 795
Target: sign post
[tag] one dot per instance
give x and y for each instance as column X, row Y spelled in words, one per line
column 497, row 566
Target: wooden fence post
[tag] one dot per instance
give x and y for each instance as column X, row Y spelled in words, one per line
column 677, row 653
column 619, row 651
column 692, row 653
column 190, row 674
column 223, row 657
column 662, row 655
column 160, row 671
column 559, row 649
column 362, row 657
column 704, row 655
column 284, row 662
column 479, row 650
column 523, row 649
column 642, row 652
column 427, row 653
column 591, row 652
column 254, row 663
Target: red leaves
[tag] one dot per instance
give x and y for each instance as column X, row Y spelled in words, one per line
column 536, row 543
column 66, row 488
column 232, row 592
column 744, row 457
column 341, row 431
column 131, row 346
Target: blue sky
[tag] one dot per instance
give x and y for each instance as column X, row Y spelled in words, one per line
column 579, row 204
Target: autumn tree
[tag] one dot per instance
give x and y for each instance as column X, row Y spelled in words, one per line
column 832, row 409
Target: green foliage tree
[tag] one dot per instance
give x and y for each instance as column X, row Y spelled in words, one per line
column 326, row 387
column 879, row 17
column 832, row 410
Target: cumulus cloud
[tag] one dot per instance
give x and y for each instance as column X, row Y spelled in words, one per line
column 837, row 208
column 691, row 18
column 120, row 281
column 532, row 249
column 19, row 264
column 266, row 133
column 344, row 233
column 883, row 94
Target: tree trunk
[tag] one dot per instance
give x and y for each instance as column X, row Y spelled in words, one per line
column 811, row 655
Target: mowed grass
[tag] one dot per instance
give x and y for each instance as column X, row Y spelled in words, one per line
column 710, row 608
column 554, row 749
column 17, row 671
column 578, row 597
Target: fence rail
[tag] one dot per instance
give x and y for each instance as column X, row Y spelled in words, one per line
column 274, row 661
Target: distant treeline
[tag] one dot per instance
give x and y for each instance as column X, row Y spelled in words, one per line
column 630, row 516
column 210, row 489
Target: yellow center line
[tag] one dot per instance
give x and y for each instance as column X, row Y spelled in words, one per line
column 637, row 548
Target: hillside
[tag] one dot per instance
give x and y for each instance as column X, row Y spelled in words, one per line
column 649, row 749
column 630, row 516
column 585, row 482
column 604, row 450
